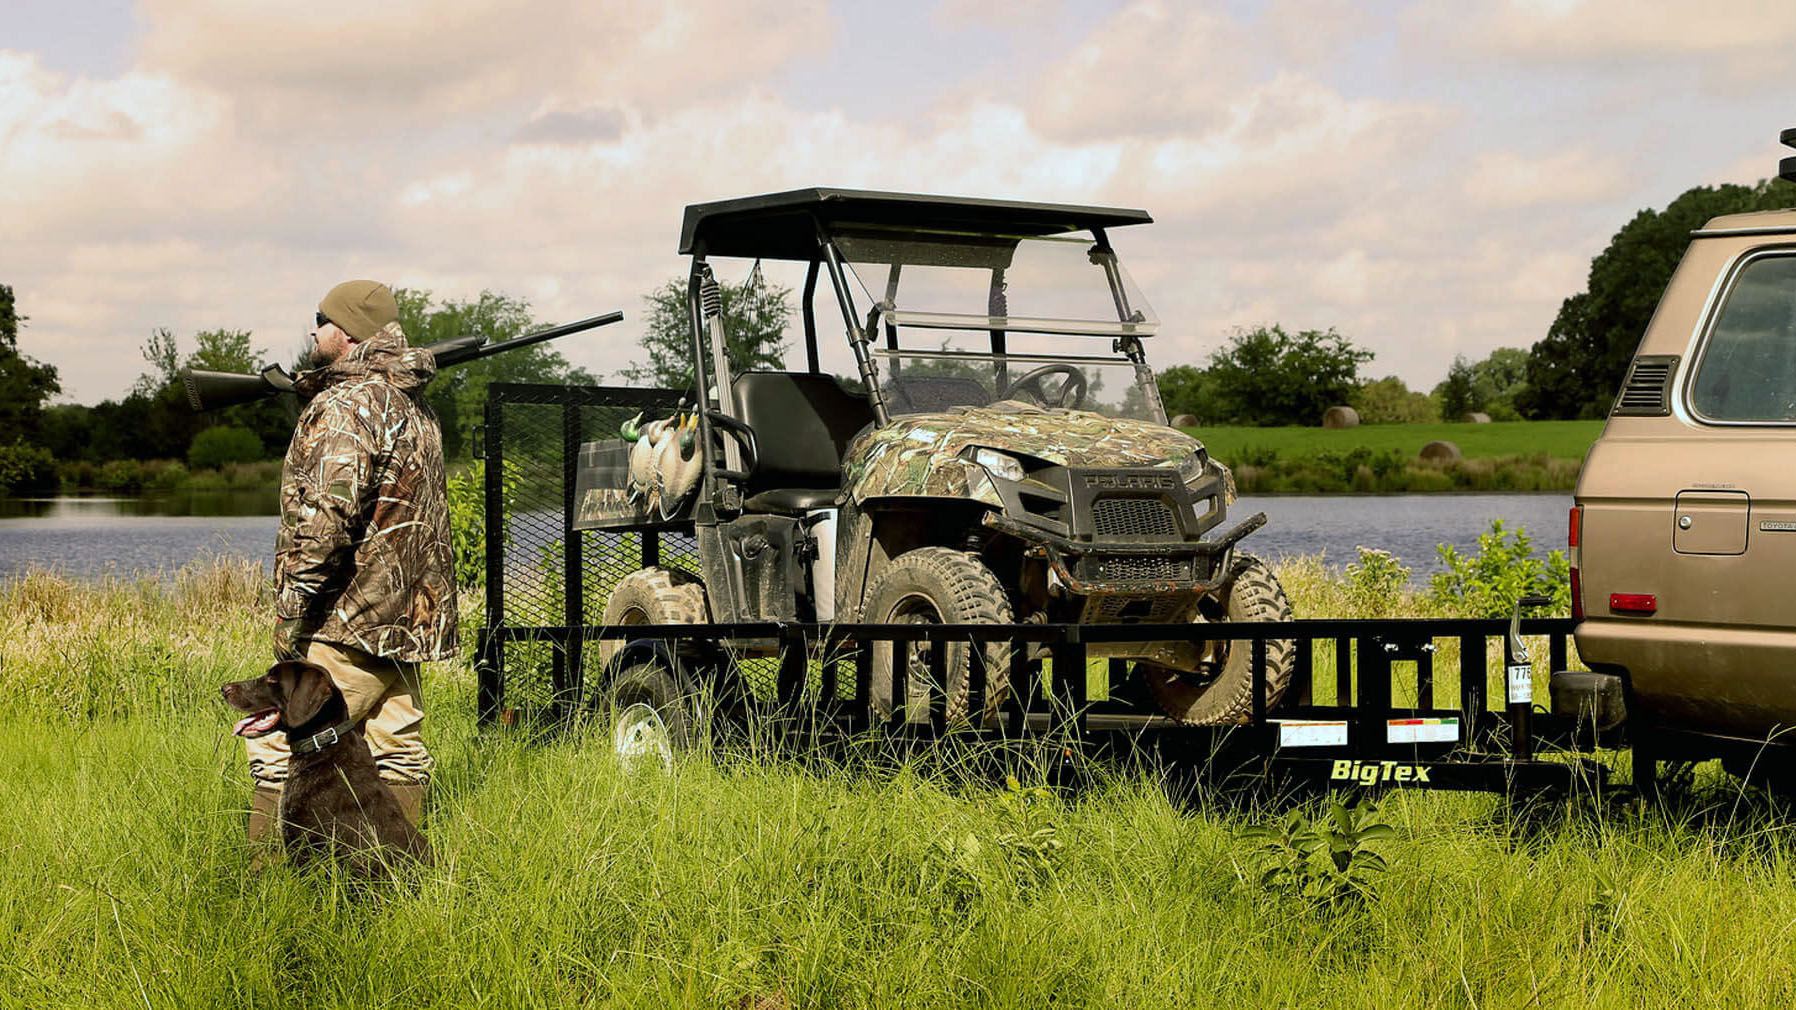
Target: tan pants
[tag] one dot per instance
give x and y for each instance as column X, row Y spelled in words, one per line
column 385, row 692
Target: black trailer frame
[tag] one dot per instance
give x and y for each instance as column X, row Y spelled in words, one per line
column 1384, row 721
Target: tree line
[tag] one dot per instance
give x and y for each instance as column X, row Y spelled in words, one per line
column 1260, row 376
column 42, row 444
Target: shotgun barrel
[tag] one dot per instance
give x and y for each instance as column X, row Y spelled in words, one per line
column 215, row 390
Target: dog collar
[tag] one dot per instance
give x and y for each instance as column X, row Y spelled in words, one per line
column 326, row 738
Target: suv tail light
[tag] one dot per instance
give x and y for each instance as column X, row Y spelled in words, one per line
column 1573, row 535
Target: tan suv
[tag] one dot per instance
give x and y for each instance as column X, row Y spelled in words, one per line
column 1684, row 531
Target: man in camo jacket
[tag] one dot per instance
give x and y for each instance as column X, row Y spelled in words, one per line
column 364, row 572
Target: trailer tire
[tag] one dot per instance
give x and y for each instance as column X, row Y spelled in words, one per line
column 938, row 585
column 679, row 707
column 1226, row 699
column 652, row 596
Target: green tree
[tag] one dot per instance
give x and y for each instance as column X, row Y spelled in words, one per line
column 1457, row 394
column 225, row 351
column 25, row 384
column 1577, row 368
column 458, row 394
column 1184, row 389
column 1498, row 381
column 1389, row 401
column 154, row 420
column 755, row 315
column 221, row 444
column 1266, row 376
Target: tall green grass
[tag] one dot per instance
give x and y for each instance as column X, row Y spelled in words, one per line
column 764, row 880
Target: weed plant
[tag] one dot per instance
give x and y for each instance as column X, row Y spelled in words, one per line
column 751, row 876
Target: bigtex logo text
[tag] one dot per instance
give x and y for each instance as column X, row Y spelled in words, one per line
column 1368, row 773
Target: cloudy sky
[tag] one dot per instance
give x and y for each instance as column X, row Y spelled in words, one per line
column 1429, row 178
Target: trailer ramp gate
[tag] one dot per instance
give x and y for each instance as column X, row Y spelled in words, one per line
column 1365, row 707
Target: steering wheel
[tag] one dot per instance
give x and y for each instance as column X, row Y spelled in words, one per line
column 1070, row 396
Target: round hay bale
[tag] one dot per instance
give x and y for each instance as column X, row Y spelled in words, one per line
column 1185, row 421
column 1444, row 452
column 1477, row 417
column 1340, row 417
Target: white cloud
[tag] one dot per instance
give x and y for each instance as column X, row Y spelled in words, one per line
column 1150, row 70
column 1731, row 44
column 363, row 63
column 1506, row 179
column 256, row 154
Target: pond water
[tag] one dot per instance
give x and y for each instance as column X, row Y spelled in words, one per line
column 90, row 537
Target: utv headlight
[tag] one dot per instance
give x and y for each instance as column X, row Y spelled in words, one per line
column 999, row 464
column 1191, row 468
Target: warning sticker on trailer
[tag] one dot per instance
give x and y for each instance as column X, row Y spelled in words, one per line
column 1422, row 730
column 1312, row 733
column 1521, row 684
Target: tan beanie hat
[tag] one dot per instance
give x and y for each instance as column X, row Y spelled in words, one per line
column 360, row 308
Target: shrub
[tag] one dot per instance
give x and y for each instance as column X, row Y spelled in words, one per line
column 1327, row 861
column 164, row 475
column 263, row 474
column 223, row 444
column 77, row 474
column 27, row 469
column 1503, row 571
column 1375, row 583
column 467, row 522
column 120, row 476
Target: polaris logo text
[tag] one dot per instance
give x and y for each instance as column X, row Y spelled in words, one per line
column 1369, row 773
column 1129, row 482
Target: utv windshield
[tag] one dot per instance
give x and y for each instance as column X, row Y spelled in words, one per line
column 996, row 282
column 920, row 382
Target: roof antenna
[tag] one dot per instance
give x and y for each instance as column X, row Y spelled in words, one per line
column 1786, row 169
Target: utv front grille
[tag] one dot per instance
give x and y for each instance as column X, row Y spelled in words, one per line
column 1132, row 517
column 1139, row 569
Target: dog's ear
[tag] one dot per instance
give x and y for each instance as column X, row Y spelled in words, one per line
column 303, row 688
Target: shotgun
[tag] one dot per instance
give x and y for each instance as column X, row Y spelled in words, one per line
column 215, row 390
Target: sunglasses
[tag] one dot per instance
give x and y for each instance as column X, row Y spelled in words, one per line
column 322, row 320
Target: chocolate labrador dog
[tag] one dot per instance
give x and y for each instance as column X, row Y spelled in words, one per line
column 334, row 804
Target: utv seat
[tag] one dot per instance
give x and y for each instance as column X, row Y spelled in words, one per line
column 928, row 394
column 802, row 424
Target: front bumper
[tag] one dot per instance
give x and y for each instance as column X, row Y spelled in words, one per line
column 1133, row 532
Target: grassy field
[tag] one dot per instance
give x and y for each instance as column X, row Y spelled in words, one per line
column 756, row 880
column 1555, row 439
column 1502, row 456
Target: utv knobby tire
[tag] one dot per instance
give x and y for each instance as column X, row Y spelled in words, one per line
column 938, row 585
column 1226, row 699
column 655, row 596
column 652, row 596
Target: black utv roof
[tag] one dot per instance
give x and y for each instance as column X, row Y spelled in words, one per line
column 781, row 225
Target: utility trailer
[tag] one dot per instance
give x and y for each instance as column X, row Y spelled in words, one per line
column 989, row 493
column 1368, row 705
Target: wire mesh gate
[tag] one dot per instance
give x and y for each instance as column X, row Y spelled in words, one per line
column 540, row 574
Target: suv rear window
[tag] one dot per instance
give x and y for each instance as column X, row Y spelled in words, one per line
column 1748, row 369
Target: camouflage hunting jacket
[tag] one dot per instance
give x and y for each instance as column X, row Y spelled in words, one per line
column 363, row 556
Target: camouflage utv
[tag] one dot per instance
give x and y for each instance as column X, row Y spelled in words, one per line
column 995, row 451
